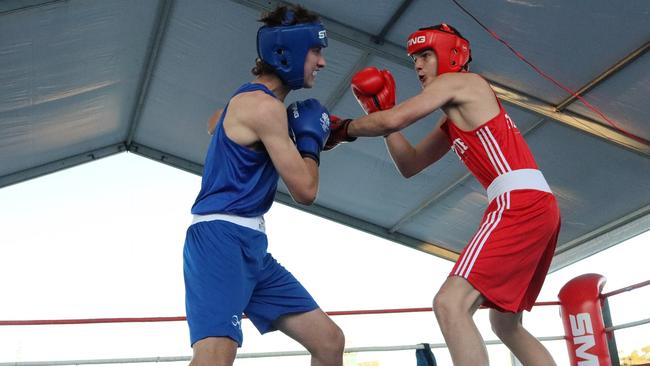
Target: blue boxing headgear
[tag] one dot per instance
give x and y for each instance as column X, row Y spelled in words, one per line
column 285, row 48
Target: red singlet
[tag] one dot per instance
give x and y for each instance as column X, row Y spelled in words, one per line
column 508, row 257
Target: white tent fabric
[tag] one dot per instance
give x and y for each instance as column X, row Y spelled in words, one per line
column 85, row 79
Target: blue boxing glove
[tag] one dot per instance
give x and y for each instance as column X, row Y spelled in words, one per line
column 309, row 123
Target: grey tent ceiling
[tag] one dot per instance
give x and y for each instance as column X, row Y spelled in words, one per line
column 85, row 79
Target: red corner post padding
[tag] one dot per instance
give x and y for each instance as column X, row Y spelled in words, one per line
column 581, row 311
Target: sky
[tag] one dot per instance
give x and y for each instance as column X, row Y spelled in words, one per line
column 105, row 239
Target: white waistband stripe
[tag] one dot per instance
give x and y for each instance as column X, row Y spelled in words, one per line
column 255, row 223
column 517, row 179
column 500, row 190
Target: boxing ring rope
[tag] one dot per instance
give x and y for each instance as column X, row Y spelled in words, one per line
column 603, row 297
column 245, row 355
column 637, row 323
column 626, row 289
column 182, row 318
column 627, row 325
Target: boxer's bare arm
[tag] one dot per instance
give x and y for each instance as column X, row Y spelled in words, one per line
column 410, row 160
column 212, row 122
column 466, row 98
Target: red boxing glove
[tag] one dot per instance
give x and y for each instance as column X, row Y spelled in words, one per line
column 338, row 132
column 374, row 89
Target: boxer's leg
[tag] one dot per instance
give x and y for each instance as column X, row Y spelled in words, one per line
column 317, row 333
column 454, row 306
column 507, row 326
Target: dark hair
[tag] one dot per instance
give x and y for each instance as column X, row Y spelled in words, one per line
column 288, row 15
column 282, row 15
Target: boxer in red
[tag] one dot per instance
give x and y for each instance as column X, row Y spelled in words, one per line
column 505, row 263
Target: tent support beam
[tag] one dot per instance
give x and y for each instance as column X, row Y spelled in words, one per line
column 15, row 6
column 583, row 124
column 344, row 85
column 606, row 74
column 613, row 233
column 166, row 158
column 160, row 27
column 61, row 164
column 370, row 228
column 380, row 38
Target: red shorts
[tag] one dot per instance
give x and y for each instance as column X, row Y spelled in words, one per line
column 509, row 256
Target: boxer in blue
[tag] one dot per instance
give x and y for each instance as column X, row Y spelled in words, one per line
column 227, row 269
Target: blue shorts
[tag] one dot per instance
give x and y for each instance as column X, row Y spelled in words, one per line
column 228, row 272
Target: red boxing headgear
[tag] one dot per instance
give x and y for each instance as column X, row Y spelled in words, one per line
column 451, row 49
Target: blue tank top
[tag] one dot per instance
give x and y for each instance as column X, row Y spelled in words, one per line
column 236, row 180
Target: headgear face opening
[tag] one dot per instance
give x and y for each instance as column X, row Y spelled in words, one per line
column 285, row 48
column 451, row 49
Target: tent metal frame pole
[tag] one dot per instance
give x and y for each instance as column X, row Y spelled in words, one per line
column 380, row 38
column 165, row 8
column 620, row 65
column 370, row 228
column 610, row 234
column 166, row 158
column 344, row 85
column 15, row 6
column 57, row 165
